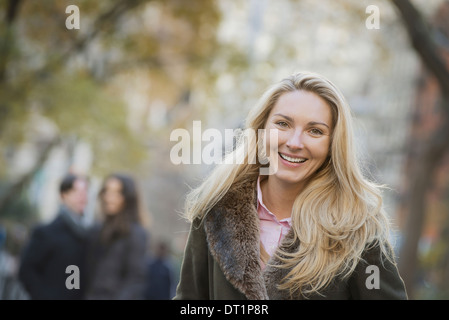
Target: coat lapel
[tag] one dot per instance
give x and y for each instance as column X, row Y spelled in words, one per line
column 232, row 230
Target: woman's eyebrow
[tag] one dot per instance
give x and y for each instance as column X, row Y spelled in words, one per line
column 284, row 116
column 311, row 123
column 314, row 123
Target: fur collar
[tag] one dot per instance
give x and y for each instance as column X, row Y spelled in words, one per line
column 232, row 231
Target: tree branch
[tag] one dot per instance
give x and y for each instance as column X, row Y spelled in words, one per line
column 9, row 195
column 12, row 10
column 422, row 41
column 109, row 17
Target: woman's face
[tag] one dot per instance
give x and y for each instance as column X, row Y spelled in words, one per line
column 113, row 199
column 304, row 123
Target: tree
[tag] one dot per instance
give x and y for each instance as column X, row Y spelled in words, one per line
column 69, row 77
column 425, row 152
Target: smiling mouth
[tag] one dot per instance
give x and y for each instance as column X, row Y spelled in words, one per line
column 292, row 159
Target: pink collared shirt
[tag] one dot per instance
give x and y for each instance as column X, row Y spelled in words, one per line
column 272, row 230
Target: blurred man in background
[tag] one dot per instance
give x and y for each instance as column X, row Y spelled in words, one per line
column 160, row 284
column 55, row 246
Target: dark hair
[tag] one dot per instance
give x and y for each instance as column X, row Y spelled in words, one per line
column 119, row 225
column 68, row 181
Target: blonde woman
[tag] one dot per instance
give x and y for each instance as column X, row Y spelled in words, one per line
column 314, row 228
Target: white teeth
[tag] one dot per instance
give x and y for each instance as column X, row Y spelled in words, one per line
column 296, row 160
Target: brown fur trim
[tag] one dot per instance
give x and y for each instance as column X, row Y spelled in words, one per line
column 232, row 230
column 274, row 275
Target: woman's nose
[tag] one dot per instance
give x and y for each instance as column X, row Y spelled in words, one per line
column 295, row 140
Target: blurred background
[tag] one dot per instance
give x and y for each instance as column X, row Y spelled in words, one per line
column 105, row 98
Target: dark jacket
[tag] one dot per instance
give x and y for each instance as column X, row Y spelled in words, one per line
column 222, row 260
column 117, row 271
column 160, row 278
column 50, row 250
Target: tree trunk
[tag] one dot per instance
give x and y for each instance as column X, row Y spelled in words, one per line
column 423, row 161
column 425, row 154
column 421, row 38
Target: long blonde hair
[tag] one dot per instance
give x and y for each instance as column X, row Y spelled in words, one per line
column 336, row 216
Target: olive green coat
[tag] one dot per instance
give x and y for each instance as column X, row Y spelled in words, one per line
column 222, row 260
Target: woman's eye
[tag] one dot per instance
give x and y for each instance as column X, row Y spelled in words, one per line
column 316, row 132
column 282, row 124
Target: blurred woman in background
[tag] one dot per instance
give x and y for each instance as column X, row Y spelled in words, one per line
column 117, row 247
